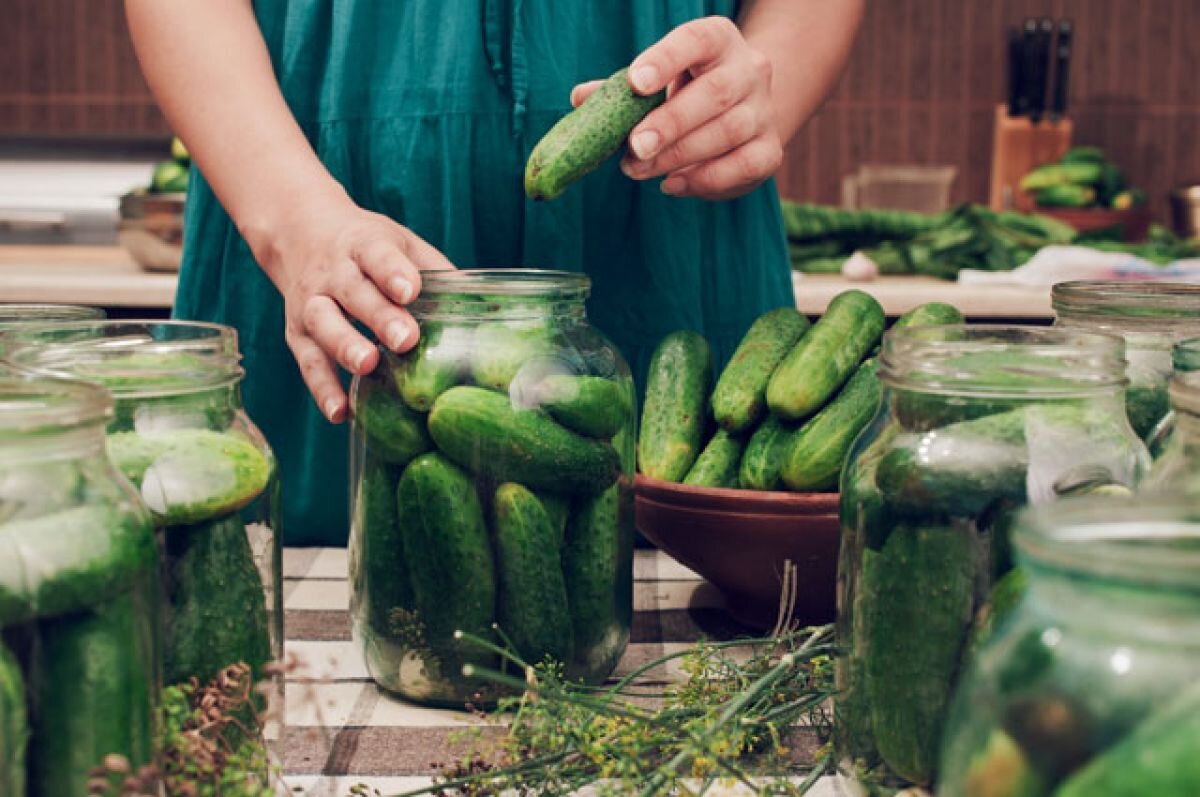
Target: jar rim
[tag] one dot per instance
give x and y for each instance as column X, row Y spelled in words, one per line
column 1169, row 301
column 31, row 404
column 1135, row 540
column 13, row 314
column 528, row 282
column 133, row 359
column 999, row 360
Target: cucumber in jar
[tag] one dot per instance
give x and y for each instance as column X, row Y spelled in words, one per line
column 14, row 724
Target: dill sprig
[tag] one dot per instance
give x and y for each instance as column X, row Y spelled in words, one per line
column 728, row 721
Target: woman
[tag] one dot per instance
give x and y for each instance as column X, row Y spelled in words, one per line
column 347, row 145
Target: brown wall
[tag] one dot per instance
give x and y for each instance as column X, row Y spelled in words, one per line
column 921, row 86
column 926, row 75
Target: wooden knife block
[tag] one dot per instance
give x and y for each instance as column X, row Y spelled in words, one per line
column 1018, row 146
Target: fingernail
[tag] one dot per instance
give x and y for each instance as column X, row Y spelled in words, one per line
column 358, row 356
column 332, row 407
column 644, row 144
column 643, row 78
column 629, row 168
column 401, row 288
column 673, row 185
column 397, row 335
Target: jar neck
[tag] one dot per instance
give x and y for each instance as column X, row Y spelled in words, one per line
column 78, row 442
column 1158, row 308
column 214, row 409
column 482, row 295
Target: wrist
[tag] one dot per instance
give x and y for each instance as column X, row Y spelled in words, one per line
column 269, row 222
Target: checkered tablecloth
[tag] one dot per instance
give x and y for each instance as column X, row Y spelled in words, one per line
column 341, row 730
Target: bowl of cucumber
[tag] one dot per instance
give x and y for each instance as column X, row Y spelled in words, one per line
column 745, row 542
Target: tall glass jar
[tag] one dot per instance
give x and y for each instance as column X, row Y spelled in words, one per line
column 1091, row 687
column 492, row 489
column 975, row 422
column 180, row 435
column 1151, row 317
column 79, row 635
column 1177, row 469
column 19, row 315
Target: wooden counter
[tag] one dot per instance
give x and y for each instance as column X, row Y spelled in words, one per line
column 106, row 276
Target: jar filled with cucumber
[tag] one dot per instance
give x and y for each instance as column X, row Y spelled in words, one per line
column 1177, row 469
column 1091, row 684
column 180, row 436
column 79, row 636
column 975, row 422
column 1152, row 317
column 786, row 408
column 492, row 517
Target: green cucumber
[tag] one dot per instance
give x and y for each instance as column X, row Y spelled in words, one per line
column 862, row 507
column 598, row 570
column 917, row 599
column 191, row 475
column 1146, row 406
column 1081, row 173
column 14, row 725
column 378, row 566
column 590, row 405
column 717, row 465
column 762, row 461
column 1065, row 195
column 93, row 694
column 558, row 510
column 1158, row 758
column 930, row 314
column 816, row 453
column 826, row 356
column 587, row 136
column 675, row 409
column 500, row 350
column 481, row 431
column 740, row 397
column 436, row 364
column 217, row 614
column 394, row 432
column 70, row 560
column 532, row 603
column 450, row 560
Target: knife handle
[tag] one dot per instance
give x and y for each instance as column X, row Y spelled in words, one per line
column 1062, row 67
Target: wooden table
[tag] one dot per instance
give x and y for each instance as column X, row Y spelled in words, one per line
column 898, row 295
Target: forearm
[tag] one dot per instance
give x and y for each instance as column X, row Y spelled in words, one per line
column 808, row 44
column 209, row 69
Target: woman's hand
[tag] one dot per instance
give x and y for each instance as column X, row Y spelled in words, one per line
column 333, row 261
column 715, row 137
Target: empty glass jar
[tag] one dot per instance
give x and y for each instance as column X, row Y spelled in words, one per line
column 492, row 473
column 1091, row 687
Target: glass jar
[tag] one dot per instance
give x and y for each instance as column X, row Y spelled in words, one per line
column 18, row 315
column 79, row 635
column 179, row 434
column 1092, row 685
column 1151, row 317
column 492, row 473
column 1177, row 469
column 975, row 422
column 1186, row 355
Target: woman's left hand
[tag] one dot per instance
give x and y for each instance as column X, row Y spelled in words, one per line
column 715, row 137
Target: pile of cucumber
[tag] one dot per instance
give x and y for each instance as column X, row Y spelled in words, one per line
column 489, row 496
column 1082, row 178
column 786, row 409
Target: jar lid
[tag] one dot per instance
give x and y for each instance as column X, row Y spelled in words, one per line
column 1155, row 302
column 997, row 361
column 15, row 315
column 1153, row 541
column 133, row 359
column 32, row 404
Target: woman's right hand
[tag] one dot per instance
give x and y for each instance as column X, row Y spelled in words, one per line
column 333, row 261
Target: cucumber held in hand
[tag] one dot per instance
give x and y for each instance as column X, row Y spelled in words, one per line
column 532, row 600
column 717, row 465
column 740, row 398
column 674, row 412
column 586, row 137
column 480, row 430
column 825, row 357
column 817, row 452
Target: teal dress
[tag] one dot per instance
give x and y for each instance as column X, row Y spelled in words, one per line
column 425, row 110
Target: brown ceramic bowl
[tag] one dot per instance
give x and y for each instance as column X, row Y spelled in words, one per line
column 740, row 539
